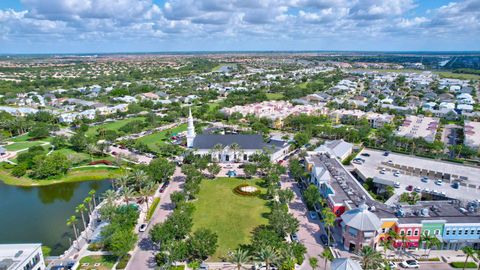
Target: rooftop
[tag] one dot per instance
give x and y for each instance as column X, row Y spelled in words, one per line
column 13, row 255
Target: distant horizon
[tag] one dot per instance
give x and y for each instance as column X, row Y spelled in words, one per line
column 180, row 52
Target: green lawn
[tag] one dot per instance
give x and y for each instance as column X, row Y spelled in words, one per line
column 159, row 137
column 21, row 138
column 105, row 262
column 74, row 175
column 274, row 96
column 115, row 125
column 22, row 145
column 232, row 217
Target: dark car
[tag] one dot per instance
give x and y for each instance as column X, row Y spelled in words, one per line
column 324, row 239
column 365, row 154
column 386, row 154
column 294, row 237
column 455, row 185
column 164, row 186
column 409, row 188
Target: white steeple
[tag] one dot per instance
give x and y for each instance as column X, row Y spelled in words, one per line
column 190, row 130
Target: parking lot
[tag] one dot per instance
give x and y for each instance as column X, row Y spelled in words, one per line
column 409, row 170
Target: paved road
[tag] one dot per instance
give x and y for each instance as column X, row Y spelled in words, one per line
column 143, row 255
column 309, row 230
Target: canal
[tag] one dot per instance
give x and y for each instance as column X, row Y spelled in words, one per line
column 39, row 214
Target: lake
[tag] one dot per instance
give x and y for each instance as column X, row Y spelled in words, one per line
column 39, row 214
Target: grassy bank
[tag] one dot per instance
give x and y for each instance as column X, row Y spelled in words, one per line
column 74, row 175
column 159, row 137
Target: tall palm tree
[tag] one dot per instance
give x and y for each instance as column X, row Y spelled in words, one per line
column 371, row 259
column 328, row 220
column 88, row 201
column 71, row 222
column 477, row 253
column 393, row 235
column 92, row 193
column 127, row 193
column 239, row 257
column 434, row 242
column 145, row 193
column 217, row 149
column 404, row 240
column 235, row 147
column 81, row 209
column 470, row 252
column 110, row 196
column 268, row 255
column 327, row 256
column 123, row 180
column 140, row 178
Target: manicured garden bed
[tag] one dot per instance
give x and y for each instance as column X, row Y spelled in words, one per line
column 231, row 216
column 98, row 262
column 463, row 264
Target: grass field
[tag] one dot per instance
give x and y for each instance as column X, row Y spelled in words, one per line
column 159, row 137
column 22, row 145
column 112, row 125
column 274, row 96
column 232, row 217
column 103, row 262
column 74, row 175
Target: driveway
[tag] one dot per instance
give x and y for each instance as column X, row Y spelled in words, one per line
column 144, row 254
column 309, row 230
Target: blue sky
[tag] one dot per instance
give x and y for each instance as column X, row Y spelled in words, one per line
column 76, row 26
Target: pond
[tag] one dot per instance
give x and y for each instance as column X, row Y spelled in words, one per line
column 39, row 214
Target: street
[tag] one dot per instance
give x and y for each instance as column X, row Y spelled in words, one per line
column 143, row 256
column 309, row 230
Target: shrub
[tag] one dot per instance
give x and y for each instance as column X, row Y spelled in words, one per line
column 100, row 161
column 95, row 246
column 461, row 265
column 152, row 208
column 238, row 191
column 122, row 264
column 19, row 170
column 8, row 166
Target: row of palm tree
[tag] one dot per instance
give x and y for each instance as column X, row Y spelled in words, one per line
column 234, row 147
column 82, row 209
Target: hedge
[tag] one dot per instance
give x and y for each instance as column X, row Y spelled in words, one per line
column 152, row 208
column 100, row 161
column 122, row 264
column 461, row 264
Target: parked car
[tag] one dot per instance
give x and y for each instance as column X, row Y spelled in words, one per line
column 439, row 182
column 417, row 189
column 382, row 171
column 410, row 264
column 392, row 265
column 142, row 227
column 365, row 154
column 396, row 184
column 294, row 237
column 409, row 188
column 455, row 185
column 203, row 266
column 396, row 174
column 386, row 153
column 164, row 186
column 313, row 215
column 324, row 239
column 424, row 179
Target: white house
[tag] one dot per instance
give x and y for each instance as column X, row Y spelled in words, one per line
column 338, row 148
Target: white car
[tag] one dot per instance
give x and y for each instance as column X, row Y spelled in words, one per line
column 417, row 189
column 439, row 182
column 382, row 171
column 392, row 265
column 396, row 184
column 410, row 264
column 396, row 174
column 142, row 227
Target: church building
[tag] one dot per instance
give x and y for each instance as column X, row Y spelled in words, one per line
column 233, row 147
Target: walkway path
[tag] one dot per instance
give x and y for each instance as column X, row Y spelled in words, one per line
column 309, row 230
column 143, row 256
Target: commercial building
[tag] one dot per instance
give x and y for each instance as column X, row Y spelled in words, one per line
column 366, row 221
column 471, row 130
column 419, row 127
column 21, row 257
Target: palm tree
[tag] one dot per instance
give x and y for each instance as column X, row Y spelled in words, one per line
column 239, row 257
column 91, row 149
column 268, row 255
column 127, row 193
column 71, row 222
column 393, row 235
column 404, row 240
column 478, row 257
column 371, row 259
column 235, row 148
column 123, row 180
column 145, row 193
column 470, row 252
column 217, row 148
column 140, row 178
column 80, row 209
column 313, row 261
column 88, row 201
column 328, row 220
column 92, row 194
column 434, row 242
column 327, row 256
column 110, row 196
